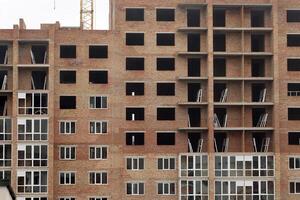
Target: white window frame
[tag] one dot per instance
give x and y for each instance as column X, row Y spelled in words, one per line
column 33, row 158
column 166, row 163
column 68, row 149
column 166, row 187
column 197, row 168
column 67, row 175
column 5, row 161
column 136, row 185
column 32, row 198
column 100, row 175
column 103, row 105
column 295, row 158
column 99, row 123
column 98, row 198
column 31, row 110
column 295, row 182
column 42, row 136
column 21, row 173
column 101, row 147
column 66, row 198
column 4, row 173
column 135, row 163
column 5, row 132
column 67, row 125
column 194, row 194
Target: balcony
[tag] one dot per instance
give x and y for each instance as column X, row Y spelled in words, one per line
column 33, row 103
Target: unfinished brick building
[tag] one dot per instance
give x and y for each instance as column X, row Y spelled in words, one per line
column 181, row 99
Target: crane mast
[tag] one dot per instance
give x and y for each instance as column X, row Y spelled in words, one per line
column 87, row 14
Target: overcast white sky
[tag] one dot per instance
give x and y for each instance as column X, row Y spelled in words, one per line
column 35, row 12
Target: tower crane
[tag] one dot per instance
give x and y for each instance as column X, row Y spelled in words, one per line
column 87, row 14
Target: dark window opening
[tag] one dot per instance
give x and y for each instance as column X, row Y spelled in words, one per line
column 3, row 79
column 67, row 102
column 219, row 89
column 293, row 89
column 133, row 114
column 165, row 14
column 257, row 92
column 134, row 89
column 134, row 14
column 194, row 142
column 3, row 105
column 293, row 64
column 220, row 142
column 219, row 18
column 193, row 92
column 165, row 39
column 135, row 63
column 165, row 89
column 219, row 67
column 165, row 113
column 98, row 77
column 3, row 54
column 135, row 138
column 221, row 114
column 134, row 39
column 293, row 15
column 165, row 138
column 165, row 64
column 68, row 51
column 293, row 40
column 38, row 80
column 193, row 17
column 194, row 116
column 98, row 51
column 259, row 138
column 194, row 67
column 257, row 42
column 193, row 42
column 293, row 113
column 67, row 77
column 294, row 138
column 257, row 115
column 257, row 18
column 219, row 42
column 258, row 67
column 38, row 54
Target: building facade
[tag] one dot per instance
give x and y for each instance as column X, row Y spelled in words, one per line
column 181, row 99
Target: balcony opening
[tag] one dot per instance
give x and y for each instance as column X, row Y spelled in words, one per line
column 219, row 42
column 134, row 39
column 220, row 117
column 165, row 39
column 38, row 54
column 194, row 117
column 220, row 92
column 135, row 114
column 166, row 114
column 219, row 67
column 165, row 14
column 193, row 17
column 134, row 89
column 135, row 63
column 98, row 77
column 135, row 138
column 3, row 105
column 134, row 14
column 258, row 67
column 194, row 67
column 193, row 40
column 165, row 89
column 195, row 142
column 67, row 77
column 98, row 51
column 221, row 142
column 38, row 80
column 258, row 92
column 194, row 92
column 165, row 138
column 293, row 64
column 67, row 102
column 3, row 79
column 165, row 64
column 68, row 51
column 257, row 18
column 219, row 17
column 259, row 117
column 257, row 42
column 294, row 138
column 3, row 54
column 293, row 89
column 260, row 142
